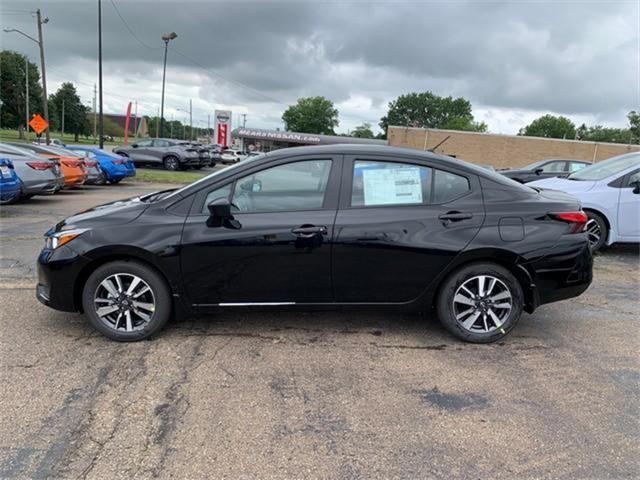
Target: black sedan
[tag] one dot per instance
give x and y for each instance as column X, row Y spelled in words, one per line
column 544, row 169
column 317, row 227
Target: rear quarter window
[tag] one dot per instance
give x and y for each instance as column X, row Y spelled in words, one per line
column 448, row 186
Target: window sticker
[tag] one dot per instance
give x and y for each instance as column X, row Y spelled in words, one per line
column 388, row 186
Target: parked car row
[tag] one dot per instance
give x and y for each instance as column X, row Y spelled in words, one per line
column 169, row 153
column 39, row 169
column 544, row 169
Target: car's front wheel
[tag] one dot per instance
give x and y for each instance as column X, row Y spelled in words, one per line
column 480, row 303
column 171, row 163
column 126, row 301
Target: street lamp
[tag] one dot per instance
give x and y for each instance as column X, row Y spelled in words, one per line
column 166, row 39
column 40, row 43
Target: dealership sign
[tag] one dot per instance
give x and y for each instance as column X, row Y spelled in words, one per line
column 279, row 136
column 222, row 127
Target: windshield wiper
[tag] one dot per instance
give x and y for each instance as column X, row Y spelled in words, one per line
column 154, row 197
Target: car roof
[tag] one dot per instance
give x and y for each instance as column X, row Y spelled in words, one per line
column 382, row 150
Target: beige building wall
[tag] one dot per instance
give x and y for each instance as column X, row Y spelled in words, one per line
column 502, row 151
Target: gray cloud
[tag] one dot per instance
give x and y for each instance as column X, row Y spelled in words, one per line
column 511, row 59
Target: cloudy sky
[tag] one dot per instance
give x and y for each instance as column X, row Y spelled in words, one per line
column 514, row 60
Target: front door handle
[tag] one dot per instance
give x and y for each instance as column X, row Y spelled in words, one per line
column 308, row 231
column 455, row 216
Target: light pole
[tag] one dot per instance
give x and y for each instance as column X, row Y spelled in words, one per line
column 100, row 116
column 40, row 43
column 166, row 39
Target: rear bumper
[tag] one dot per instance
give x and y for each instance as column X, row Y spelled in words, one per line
column 565, row 272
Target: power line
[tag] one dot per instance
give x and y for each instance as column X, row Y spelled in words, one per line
column 130, row 29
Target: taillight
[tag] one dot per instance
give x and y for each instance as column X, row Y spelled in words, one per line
column 118, row 162
column 90, row 164
column 576, row 220
column 40, row 165
column 71, row 163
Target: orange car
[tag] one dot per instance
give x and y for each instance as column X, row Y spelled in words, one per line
column 71, row 167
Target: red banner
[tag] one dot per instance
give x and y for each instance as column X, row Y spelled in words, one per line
column 126, row 124
column 222, row 134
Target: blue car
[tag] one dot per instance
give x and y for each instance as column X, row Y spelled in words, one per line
column 115, row 167
column 9, row 182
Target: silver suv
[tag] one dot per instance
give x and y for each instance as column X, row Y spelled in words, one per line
column 172, row 154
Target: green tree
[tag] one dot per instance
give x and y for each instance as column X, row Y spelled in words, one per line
column 67, row 102
column 599, row 133
column 550, row 126
column 427, row 110
column 363, row 131
column 634, row 126
column 311, row 115
column 13, row 92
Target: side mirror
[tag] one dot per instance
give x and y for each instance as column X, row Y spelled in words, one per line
column 538, row 171
column 220, row 208
column 252, row 185
column 636, row 186
column 134, row 145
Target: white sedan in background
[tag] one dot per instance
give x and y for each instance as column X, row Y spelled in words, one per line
column 610, row 195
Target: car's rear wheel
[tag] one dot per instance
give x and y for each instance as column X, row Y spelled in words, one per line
column 171, row 163
column 126, row 301
column 597, row 231
column 480, row 303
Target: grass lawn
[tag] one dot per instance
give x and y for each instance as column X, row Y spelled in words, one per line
column 163, row 176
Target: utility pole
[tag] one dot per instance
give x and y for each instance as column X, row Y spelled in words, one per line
column 45, row 106
column 158, row 122
column 244, row 120
column 171, row 134
column 95, row 118
column 62, row 122
column 26, row 87
column 190, row 120
column 184, row 129
column 101, row 119
column 208, row 124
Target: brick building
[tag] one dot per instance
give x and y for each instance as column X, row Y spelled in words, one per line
column 502, row 151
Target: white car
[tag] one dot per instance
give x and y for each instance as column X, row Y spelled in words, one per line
column 610, row 195
column 231, row 156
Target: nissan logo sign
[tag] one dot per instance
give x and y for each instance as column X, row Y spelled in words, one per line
column 223, row 117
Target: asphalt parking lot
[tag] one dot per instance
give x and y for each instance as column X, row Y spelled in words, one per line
column 314, row 395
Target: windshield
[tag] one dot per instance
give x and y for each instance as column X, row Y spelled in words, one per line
column 217, row 173
column 607, row 168
column 534, row 165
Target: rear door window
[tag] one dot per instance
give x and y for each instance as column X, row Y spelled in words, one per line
column 389, row 183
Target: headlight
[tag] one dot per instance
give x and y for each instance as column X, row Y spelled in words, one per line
column 57, row 239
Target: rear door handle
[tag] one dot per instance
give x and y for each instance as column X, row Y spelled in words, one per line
column 308, row 231
column 455, row 216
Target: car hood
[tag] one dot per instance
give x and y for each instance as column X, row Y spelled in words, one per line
column 564, row 184
column 107, row 215
column 513, row 171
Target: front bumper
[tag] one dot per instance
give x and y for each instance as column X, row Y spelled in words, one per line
column 58, row 271
column 190, row 161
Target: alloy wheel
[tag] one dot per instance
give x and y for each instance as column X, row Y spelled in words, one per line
column 124, row 302
column 594, row 233
column 482, row 304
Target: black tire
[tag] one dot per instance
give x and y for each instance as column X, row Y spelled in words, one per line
column 596, row 226
column 115, row 182
column 159, row 291
column 198, row 167
column 447, row 311
column 171, row 163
